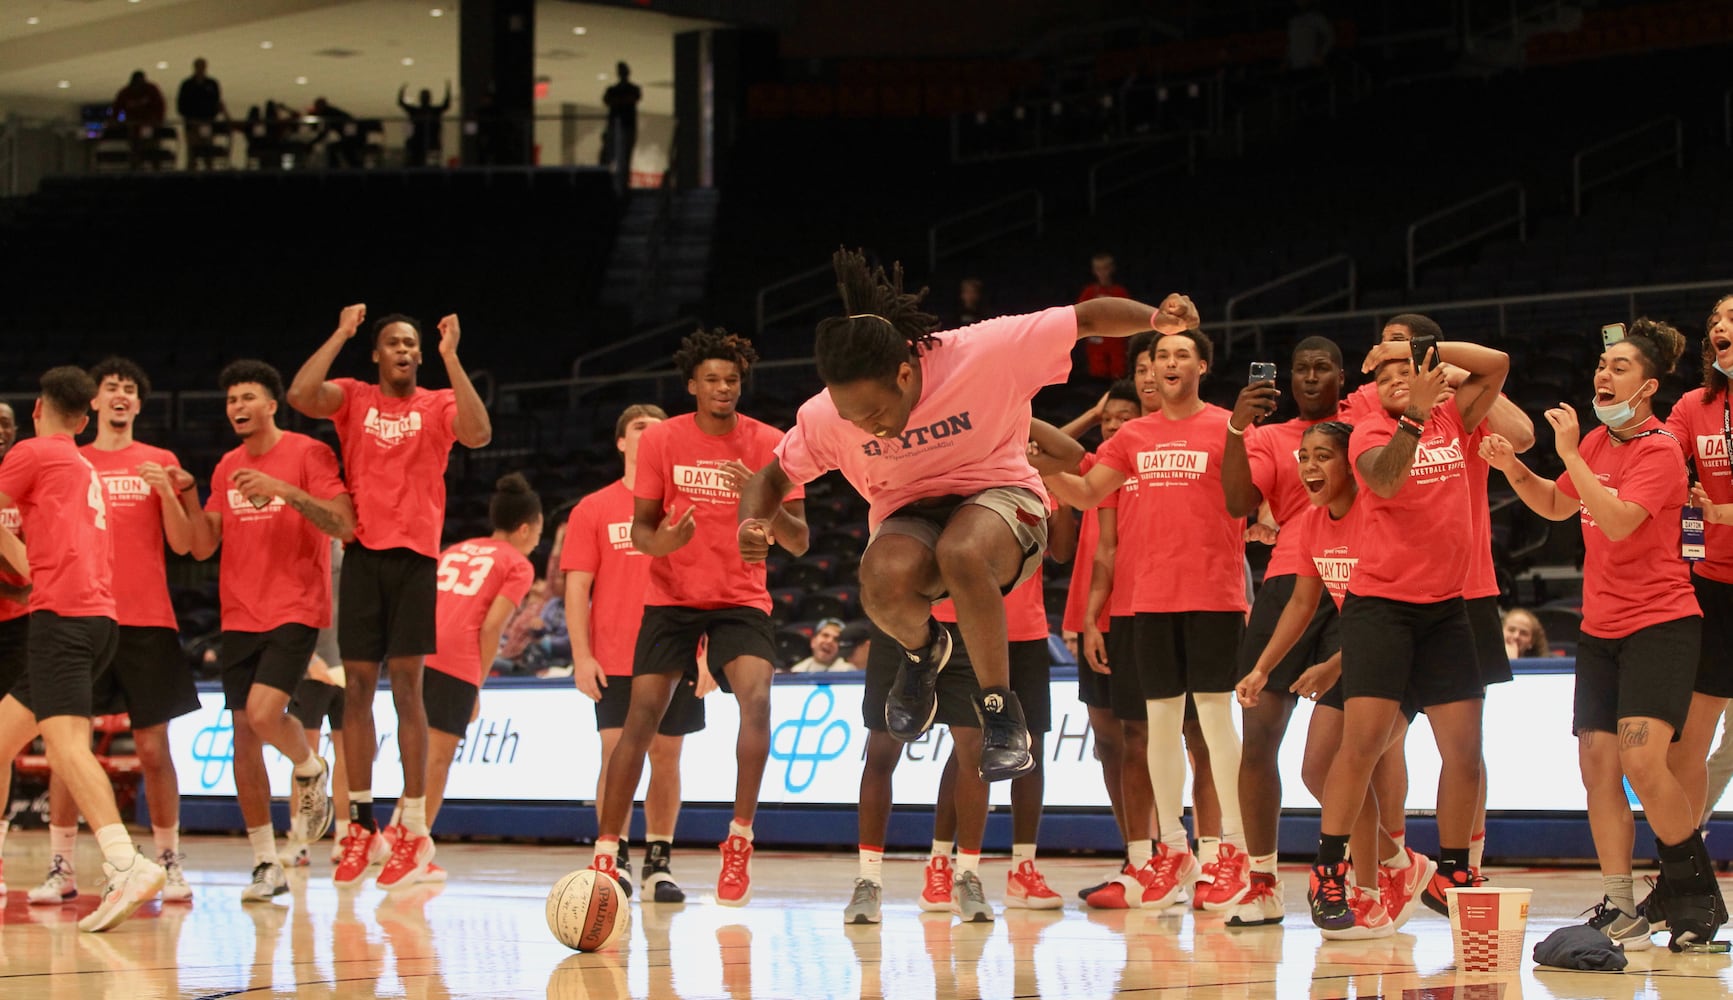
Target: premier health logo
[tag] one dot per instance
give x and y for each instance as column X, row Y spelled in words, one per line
column 788, row 741
column 214, row 749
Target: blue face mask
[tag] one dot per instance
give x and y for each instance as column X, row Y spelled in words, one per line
column 1618, row 414
column 1717, row 367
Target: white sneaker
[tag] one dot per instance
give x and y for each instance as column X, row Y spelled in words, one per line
column 312, row 803
column 61, row 885
column 1262, row 904
column 174, row 887
column 127, row 890
column 269, row 881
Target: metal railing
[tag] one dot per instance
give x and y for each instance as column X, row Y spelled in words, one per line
column 1349, row 290
column 1669, row 124
column 1520, row 218
column 806, row 291
column 1152, row 159
column 1099, row 117
column 582, row 361
column 940, row 243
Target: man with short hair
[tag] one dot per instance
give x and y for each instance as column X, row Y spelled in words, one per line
column 72, row 633
column 275, row 592
column 826, row 653
column 396, row 439
column 200, row 103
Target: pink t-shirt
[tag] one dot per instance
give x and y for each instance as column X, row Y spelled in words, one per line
column 1190, row 553
column 1328, row 547
column 1025, row 611
column 1702, row 438
column 1272, row 453
column 60, row 498
column 679, row 466
column 1417, row 543
column 141, row 597
column 967, row 433
column 1639, row 580
column 471, row 575
column 599, row 542
column 395, row 450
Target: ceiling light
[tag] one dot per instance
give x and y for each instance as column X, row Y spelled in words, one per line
column 301, row 81
column 408, row 61
column 436, row 12
column 162, row 64
column 64, row 84
column 264, row 45
column 33, row 20
column 580, row 31
column 601, row 76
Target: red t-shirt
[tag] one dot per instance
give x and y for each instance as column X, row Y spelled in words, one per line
column 276, row 566
column 1361, row 403
column 1273, row 455
column 1640, row 580
column 60, row 498
column 599, row 542
column 12, row 521
column 678, row 465
column 1083, row 566
column 1025, row 611
column 1328, row 547
column 471, row 575
column 141, row 597
column 1417, row 543
column 395, row 450
column 1190, row 554
column 1703, row 439
column 1126, row 534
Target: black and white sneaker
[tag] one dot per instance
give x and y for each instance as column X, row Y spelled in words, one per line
column 913, row 699
column 1004, row 737
column 658, row 878
column 623, row 870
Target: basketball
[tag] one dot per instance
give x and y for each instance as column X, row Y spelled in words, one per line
column 588, row 912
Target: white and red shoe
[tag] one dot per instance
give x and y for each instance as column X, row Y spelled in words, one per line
column 361, row 848
column 1233, row 871
column 1402, row 887
column 1122, row 892
column 734, row 885
column 936, row 894
column 1262, row 905
column 1171, row 874
column 411, row 856
column 1371, row 920
column 1026, row 889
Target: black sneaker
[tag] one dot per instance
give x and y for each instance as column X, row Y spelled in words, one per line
column 913, row 699
column 658, row 879
column 623, row 871
column 1653, row 908
column 1328, row 896
column 1004, row 737
column 1693, row 898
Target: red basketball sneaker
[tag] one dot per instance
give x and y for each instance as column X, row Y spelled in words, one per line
column 734, row 885
column 1232, row 879
column 361, row 848
column 936, row 886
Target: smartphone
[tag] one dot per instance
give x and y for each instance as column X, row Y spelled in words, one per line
column 1420, row 345
column 1612, row 333
column 1262, row 371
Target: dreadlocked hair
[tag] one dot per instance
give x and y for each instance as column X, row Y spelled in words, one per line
column 883, row 326
column 714, row 345
column 1714, row 383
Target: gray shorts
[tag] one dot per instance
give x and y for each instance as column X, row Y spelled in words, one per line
column 1023, row 511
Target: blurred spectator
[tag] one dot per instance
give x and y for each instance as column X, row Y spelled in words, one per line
column 972, row 302
column 1103, row 358
column 1311, row 36
column 826, row 653
column 854, row 645
column 347, row 142
column 140, row 108
column 1523, row 635
column 517, row 644
column 200, row 104
column 425, row 142
column 622, row 134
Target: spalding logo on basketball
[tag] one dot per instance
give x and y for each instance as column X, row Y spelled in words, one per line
column 588, row 912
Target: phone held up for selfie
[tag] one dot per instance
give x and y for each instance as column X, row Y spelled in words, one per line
column 1612, row 333
column 1262, row 371
column 1420, row 345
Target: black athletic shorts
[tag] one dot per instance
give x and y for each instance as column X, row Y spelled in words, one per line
column 1032, row 682
column 1420, row 652
column 1316, row 644
column 1647, row 674
column 1488, row 628
column 1715, row 661
column 668, row 639
column 65, row 658
column 277, row 659
column 685, row 714
column 315, row 701
column 149, row 679
column 957, row 686
column 1093, row 689
column 14, row 651
column 448, row 700
column 385, row 604
column 1124, row 689
column 1183, row 652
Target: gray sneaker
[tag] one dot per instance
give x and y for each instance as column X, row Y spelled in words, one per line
column 1623, row 929
column 174, row 887
column 970, row 900
column 863, row 906
column 269, row 881
column 312, row 813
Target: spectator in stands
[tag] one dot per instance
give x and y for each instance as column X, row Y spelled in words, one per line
column 1103, row 358
column 826, row 653
column 622, row 102
column 518, row 653
column 200, row 104
column 425, row 143
column 8, row 427
column 972, row 302
column 340, row 126
column 855, row 644
column 1523, row 635
column 140, row 108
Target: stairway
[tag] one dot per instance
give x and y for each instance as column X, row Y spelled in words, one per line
column 661, row 257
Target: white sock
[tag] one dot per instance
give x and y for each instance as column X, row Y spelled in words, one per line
column 264, row 841
column 606, row 847
column 941, row 849
column 117, row 846
column 968, row 861
column 1264, row 864
column 309, row 767
column 61, row 840
column 1215, row 715
column 341, row 830
column 1174, row 840
column 739, row 829
column 1167, row 767
column 666, row 838
column 1619, row 890
column 396, row 815
column 1373, row 893
column 1138, row 853
column 1400, row 839
column 1477, row 850
column 167, row 839
column 1398, row 862
column 1021, row 853
column 414, row 815
column 4, row 826
column 872, row 864
column 1208, row 847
